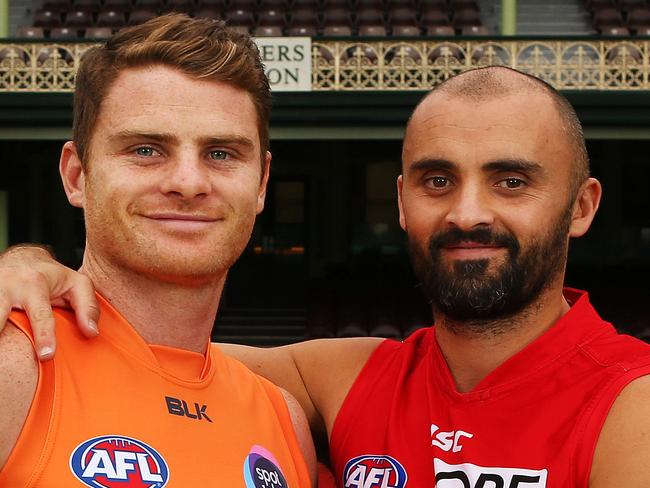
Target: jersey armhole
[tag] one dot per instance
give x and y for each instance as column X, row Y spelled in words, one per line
column 284, row 418
column 592, row 423
column 357, row 394
column 32, row 450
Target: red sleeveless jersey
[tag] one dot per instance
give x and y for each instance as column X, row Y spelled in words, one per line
column 533, row 422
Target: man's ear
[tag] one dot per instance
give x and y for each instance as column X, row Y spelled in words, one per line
column 72, row 174
column 585, row 207
column 266, row 170
column 402, row 218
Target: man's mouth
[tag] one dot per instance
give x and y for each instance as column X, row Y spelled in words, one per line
column 472, row 250
column 182, row 221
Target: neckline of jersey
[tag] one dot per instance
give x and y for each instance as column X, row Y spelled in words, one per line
column 166, row 361
column 580, row 325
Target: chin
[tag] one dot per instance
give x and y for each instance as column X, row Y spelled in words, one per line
column 185, row 270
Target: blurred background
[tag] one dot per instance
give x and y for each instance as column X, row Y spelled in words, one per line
column 327, row 257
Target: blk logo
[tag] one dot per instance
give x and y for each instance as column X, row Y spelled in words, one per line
column 448, row 440
column 176, row 406
column 374, row 472
column 116, row 461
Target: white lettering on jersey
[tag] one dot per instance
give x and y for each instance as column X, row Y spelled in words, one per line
column 100, row 464
column 359, row 478
column 468, row 475
column 448, row 440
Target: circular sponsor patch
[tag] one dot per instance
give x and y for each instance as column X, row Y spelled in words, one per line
column 113, row 461
column 262, row 470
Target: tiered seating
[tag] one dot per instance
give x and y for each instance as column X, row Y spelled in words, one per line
column 620, row 17
column 365, row 18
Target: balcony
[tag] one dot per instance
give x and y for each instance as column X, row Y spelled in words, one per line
column 592, row 64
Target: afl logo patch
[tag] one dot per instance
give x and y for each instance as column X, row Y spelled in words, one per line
column 113, row 461
column 262, row 470
column 374, row 471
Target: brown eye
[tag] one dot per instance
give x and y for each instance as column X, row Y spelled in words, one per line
column 511, row 183
column 438, row 182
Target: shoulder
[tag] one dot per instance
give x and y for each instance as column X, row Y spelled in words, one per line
column 612, row 348
column 623, row 447
column 303, row 434
column 18, row 380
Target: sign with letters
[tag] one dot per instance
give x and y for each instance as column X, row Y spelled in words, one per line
column 287, row 62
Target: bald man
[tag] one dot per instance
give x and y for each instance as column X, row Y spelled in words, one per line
column 520, row 384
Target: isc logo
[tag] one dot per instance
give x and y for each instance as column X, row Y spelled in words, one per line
column 448, row 441
column 118, row 461
column 372, row 471
column 468, row 475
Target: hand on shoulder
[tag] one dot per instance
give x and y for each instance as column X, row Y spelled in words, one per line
column 31, row 280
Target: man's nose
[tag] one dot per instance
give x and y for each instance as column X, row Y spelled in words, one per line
column 470, row 208
column 187, row 177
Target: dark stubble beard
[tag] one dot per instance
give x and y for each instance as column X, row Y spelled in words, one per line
column 475, row 299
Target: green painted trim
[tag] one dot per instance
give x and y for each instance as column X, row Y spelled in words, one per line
column 4, row 18
column 335, row 115
column 508, row 17
column 35, row 133
column 335, row 133
column 4, row 220
column 281, row 132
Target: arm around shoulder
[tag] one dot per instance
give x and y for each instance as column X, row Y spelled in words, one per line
column 18, row 380
column 318, row 373
column 623, row 448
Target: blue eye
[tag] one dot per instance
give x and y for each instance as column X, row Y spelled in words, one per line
column 144, row 151
column 218, row 155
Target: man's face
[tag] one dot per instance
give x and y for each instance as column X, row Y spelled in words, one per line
column 485, row 200
column 173, row 181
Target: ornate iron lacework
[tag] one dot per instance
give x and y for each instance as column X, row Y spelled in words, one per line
column 354, row 65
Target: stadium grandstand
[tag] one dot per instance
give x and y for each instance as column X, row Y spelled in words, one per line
column 327, row 257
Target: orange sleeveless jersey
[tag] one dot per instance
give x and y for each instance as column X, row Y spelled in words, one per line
column 116, row 412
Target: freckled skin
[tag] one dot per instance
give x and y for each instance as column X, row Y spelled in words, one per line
column 130, row 178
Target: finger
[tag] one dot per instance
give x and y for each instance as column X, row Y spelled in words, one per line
column 83, row 301
column 39, row 311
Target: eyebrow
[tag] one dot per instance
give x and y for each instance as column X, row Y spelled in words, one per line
column 226, row 139
column 516, row 164
column 519, row 165
column 429, row 164
column 135, row 134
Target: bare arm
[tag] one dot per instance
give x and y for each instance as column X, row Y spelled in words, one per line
column 303, row 434
column 31, row 280
column 18, row 379
column 623, row 451
column 317, row 373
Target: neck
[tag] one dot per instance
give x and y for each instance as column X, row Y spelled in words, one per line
column 471, row 355
column 176, row 313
